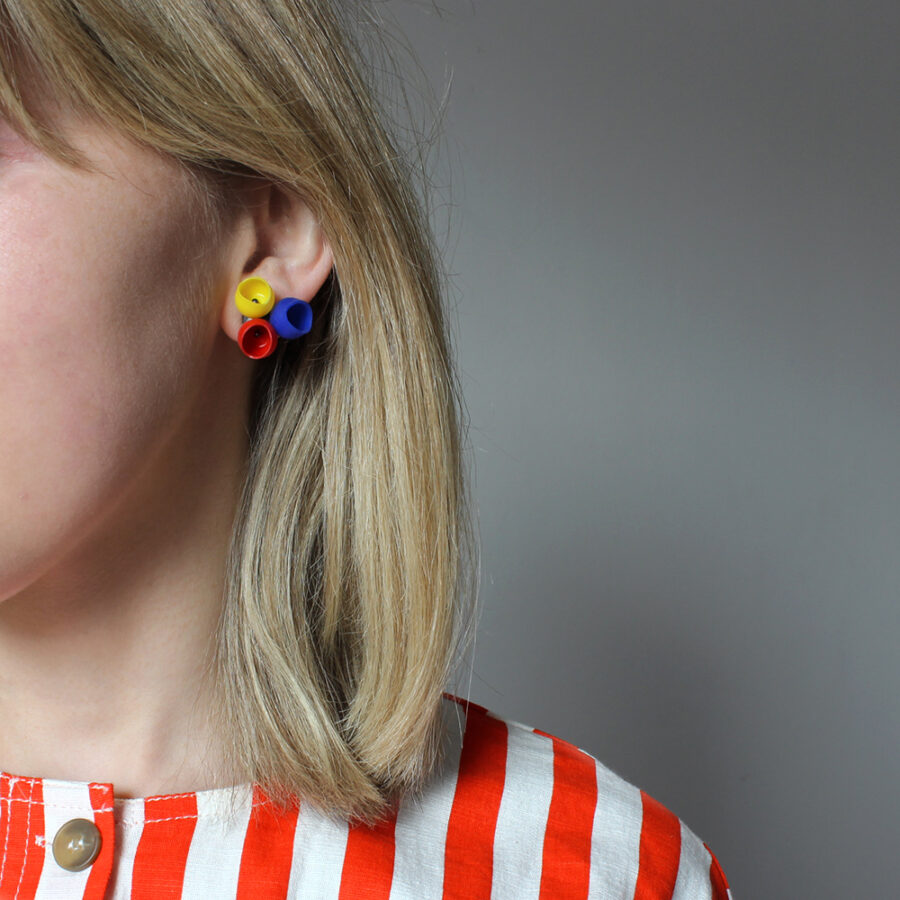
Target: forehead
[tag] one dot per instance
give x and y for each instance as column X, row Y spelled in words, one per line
column 14, row 145
column 49, row 127
column 109, row 155
column 40, row 123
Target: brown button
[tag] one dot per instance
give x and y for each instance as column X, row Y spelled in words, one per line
column 76, row 844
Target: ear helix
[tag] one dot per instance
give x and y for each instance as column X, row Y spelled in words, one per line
column 289, row 318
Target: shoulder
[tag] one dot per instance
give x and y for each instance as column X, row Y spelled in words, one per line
column 531, row 810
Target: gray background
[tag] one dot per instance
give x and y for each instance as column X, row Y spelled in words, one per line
column 674, row 235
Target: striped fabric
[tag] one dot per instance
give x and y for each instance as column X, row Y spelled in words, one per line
column 513, row 813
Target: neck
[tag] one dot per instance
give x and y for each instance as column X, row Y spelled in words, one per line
column 105, row 658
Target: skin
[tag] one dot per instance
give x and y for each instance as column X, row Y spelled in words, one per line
column 122, row 447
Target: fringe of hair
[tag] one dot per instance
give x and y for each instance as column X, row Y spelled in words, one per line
column 347, row 599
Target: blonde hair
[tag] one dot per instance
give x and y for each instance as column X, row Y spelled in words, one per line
column 347, row 590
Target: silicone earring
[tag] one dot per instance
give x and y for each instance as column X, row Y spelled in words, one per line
column 257, row 338
column 290, row 318
column 254, row 297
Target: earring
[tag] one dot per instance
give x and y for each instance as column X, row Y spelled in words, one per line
column 289, row 318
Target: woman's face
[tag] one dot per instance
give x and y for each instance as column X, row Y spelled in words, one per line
column 103, row 349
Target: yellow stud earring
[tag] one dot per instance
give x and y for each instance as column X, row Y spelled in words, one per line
column 254, row 297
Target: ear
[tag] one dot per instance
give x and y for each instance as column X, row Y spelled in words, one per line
column 285, row 245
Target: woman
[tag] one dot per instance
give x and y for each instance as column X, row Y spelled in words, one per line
column 234, row 559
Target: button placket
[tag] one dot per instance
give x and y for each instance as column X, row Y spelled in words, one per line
column 72, row 839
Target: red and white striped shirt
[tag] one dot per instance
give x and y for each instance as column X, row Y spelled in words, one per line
column 513, row 813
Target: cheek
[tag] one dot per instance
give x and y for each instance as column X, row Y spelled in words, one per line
column 94, row 372
column 71, row 434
